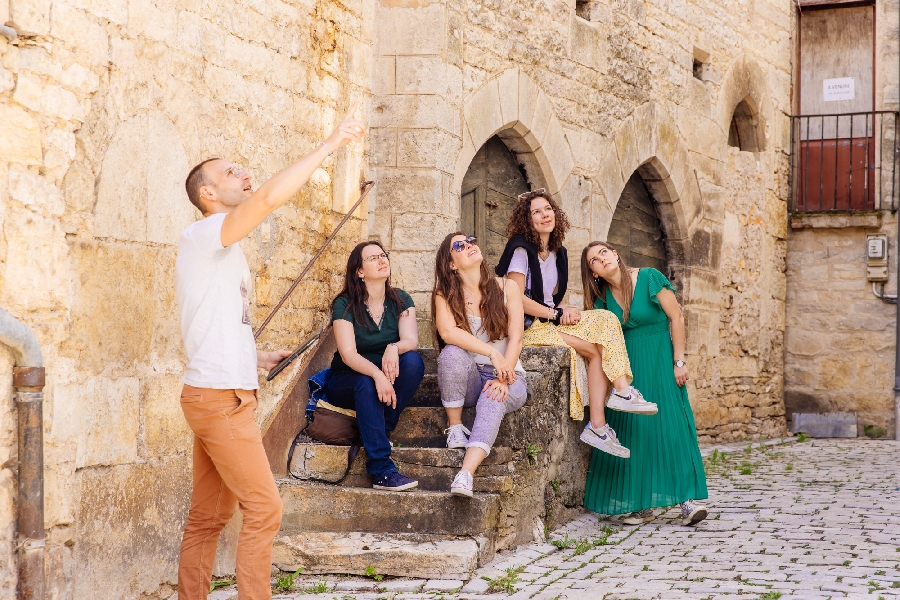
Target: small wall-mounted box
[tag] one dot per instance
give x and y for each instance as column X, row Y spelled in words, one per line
column 876, row 257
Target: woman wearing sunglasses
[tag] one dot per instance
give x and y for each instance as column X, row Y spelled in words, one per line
column 376, row 369
column 536, row 260
column 477, row 319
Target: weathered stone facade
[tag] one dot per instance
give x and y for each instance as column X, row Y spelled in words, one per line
column 104, row 105
column 840, row 338
column 584, row 104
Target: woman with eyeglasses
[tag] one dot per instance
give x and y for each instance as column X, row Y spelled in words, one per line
column 477, row 319
column 665, row 467
column 376, row 369
column 537, row 261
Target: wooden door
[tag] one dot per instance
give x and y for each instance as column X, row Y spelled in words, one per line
column 636, row 231
column 836, row 153
column 489, row 191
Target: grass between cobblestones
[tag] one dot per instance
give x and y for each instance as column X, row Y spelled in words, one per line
column 816, row 520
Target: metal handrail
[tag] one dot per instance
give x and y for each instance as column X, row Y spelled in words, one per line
column 831, row 152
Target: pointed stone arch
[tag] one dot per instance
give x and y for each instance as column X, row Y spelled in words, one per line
column 513, row 107
column 648, row 142
column 744, row 88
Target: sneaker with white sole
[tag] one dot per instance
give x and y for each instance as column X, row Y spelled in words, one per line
column 634, row 402
column 462, row 484
column 457, row 436
column 639, row 517
column 605, row 440
column 394, row 481
column 692, row 512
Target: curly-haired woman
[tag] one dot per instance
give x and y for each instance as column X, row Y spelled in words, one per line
column 376, row 369
column 665, row 467
column 477, row 319
column 536, row 260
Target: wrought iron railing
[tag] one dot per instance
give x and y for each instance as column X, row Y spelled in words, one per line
column 844, row 162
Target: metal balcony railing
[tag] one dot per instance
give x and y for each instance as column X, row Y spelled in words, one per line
column 844, row 162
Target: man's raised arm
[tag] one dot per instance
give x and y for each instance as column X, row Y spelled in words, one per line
column 245, row 217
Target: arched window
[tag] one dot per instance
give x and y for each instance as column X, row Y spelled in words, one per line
column 744, row 131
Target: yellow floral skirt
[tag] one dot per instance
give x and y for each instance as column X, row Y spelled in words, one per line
column 597, row 327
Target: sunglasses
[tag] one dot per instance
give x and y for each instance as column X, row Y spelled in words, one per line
column 533, row 194
column 460, row 245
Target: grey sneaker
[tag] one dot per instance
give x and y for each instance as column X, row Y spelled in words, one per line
column 457, row 436
column 462, row 484
column 633, row 403
column 639, row 517
column 605, row 440
column 692, row 512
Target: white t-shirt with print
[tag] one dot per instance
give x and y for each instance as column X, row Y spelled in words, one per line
column 212, row 287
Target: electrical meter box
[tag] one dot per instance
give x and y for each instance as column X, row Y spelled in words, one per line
column 876, row 257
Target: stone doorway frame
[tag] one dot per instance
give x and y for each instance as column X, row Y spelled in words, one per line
column 514, row 108
column 648, row 142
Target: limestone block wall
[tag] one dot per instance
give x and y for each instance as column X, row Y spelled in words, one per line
column 584, row 94
column 840, row 339
column 104, row 106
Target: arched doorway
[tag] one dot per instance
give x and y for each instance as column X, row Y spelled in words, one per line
column 636, row 231
column 489, row 191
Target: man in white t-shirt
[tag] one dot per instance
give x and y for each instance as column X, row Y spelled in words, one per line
column 213, row 286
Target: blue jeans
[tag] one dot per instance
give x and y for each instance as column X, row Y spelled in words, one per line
column 355, row 391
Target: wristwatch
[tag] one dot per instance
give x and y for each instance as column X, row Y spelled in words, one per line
column 679, row 363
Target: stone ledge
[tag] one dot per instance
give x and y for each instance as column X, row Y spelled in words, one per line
column 836, row 220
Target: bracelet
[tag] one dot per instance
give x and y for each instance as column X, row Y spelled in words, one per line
column 327, row 149
column 550, row 313
column 396, row 346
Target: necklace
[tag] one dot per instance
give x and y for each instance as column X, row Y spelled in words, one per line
column 380, row 318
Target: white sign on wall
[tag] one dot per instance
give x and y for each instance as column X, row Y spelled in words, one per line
column 838, row 89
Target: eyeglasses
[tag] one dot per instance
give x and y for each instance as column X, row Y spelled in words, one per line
column 532, row 194
column 377, row 257
column 234, row 170
column 460, row 245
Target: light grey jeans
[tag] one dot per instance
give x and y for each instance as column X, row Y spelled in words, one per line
column 461, row 380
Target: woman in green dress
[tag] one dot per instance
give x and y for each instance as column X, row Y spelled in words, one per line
column 665, row 466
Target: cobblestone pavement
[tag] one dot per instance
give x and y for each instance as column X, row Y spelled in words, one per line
column 817, row 519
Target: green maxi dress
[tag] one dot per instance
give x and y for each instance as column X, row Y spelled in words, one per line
column 665, row 467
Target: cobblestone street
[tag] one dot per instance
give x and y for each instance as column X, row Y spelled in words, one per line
column 814, row 519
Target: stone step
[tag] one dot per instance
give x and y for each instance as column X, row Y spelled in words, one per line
column 428, row 394
column 433, row 468
column 407, row 555
column 424, row 426
column 323, row 507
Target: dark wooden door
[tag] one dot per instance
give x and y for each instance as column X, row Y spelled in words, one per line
column 636, row 231
column 489, row 192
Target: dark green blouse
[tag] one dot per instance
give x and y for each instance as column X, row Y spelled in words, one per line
column 371, row 342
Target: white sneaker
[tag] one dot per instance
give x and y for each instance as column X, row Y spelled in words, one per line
column 605, row 440
column 639, row 517
column 692, row 512
column 634, row 404
column 462, row 484
column 457, row 436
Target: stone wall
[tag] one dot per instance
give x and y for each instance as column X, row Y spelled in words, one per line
column 839, row 353
column 583, row 100
column 104, row 106
column 840, row 338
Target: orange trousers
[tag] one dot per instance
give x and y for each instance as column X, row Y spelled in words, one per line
column 230, row 470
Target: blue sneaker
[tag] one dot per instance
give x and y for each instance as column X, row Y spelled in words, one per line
column 394, row 482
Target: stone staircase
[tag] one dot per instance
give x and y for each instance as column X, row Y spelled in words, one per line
column 351, row 528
